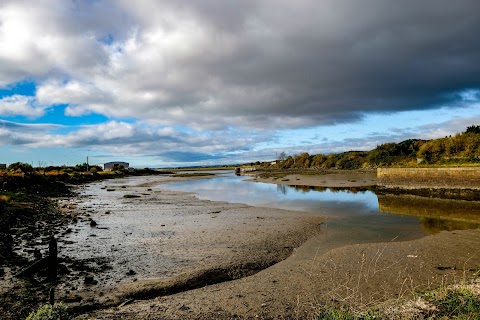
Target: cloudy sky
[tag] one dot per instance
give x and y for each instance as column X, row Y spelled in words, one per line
column 162, row 83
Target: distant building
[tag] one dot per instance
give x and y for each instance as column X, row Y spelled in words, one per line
column 3, row 166
column 110, row 165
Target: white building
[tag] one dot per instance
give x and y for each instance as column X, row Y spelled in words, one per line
column 110, row 165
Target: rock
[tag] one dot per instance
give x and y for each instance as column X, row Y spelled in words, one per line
column 63, row 270
column 131, row 273
column 90, row 280
column 184, row 308
column 93, row 223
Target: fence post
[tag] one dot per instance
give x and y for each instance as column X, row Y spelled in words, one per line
column 52, row 259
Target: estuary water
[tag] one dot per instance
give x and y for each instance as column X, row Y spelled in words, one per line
column 360, row 213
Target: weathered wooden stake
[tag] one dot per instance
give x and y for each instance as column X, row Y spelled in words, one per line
column 51, row 296
column 52, row 259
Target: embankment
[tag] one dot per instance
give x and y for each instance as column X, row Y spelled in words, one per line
column 429, row 178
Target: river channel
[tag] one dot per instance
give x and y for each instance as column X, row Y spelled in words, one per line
column 364, row 215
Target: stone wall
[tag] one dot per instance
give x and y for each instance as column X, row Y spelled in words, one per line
column 427, row 178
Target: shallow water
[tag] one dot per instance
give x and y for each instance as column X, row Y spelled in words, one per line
column 366, row 216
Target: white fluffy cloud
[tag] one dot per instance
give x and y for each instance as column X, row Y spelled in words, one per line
column 20, row 105
column 131, row 140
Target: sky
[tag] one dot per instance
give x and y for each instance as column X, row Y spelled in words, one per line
column 182, row 83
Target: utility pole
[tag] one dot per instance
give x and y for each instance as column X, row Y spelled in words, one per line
column 87, row 163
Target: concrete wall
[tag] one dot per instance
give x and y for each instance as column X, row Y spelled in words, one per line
column 419, row 178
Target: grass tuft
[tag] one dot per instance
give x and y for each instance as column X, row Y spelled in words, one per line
column 48, row 312
column 459, row 303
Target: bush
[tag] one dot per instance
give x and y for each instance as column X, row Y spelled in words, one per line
column 21, row 167
column 48, row 312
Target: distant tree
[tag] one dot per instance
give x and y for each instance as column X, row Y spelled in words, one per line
column 282, row 156
column 318, row 160
column 287, row 163
column 81, row 167
column 473, row 129
column 20, row 166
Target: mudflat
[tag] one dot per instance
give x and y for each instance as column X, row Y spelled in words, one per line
column 134, row 241
column 158, row 254
column 361, row 276
column 320, row 272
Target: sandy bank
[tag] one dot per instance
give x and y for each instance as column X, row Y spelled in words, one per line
column 339, row 179
column 359, row 275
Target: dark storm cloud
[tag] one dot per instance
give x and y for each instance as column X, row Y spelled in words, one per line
column 309, row 62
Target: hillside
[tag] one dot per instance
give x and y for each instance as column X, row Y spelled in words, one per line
column 461, row 149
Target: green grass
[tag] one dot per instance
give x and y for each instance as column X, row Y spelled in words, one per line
column 454, row 303
column 444, row 303
column 48, row 312
column 13, row 196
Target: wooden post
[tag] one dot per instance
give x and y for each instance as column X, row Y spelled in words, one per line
column 51, row 296
column 52, row 259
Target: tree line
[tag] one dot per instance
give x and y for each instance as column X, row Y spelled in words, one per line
column 461, row 148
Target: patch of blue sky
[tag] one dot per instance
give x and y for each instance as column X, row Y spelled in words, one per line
column 107, row 39
column 40, row 156
column 24, row 88
column 56, row 115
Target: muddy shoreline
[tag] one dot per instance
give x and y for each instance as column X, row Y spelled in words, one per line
column 320, row 273
column 271, row 264
column 235, row 247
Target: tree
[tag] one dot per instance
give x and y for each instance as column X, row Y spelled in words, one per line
column 282, row 156
column 23, row 167
column 473, row 129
